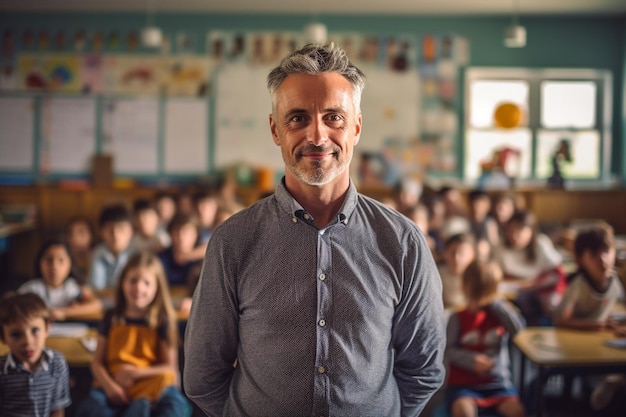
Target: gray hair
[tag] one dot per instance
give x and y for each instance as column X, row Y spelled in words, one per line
column 317, row 59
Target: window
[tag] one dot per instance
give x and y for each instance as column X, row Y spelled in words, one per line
column 553, row 108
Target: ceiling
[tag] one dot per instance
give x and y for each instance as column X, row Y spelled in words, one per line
column 450, row 7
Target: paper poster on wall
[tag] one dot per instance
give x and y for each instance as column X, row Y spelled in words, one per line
column 50, row 72
column 390, row 106
column 188, row 76
column 68, row 127
column 134, row 74
column 242, row 108
column 16, row 133
column 186, row 136
column 131, row 134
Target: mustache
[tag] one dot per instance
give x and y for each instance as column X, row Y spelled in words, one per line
column 316, row 149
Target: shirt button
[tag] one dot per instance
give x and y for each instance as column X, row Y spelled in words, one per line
column 295, row 220
column 322, row 322
column 306, row 216
column 322, row 277
column 321, row 369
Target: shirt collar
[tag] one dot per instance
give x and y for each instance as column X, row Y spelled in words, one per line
column 44, row 362
column 289, row 204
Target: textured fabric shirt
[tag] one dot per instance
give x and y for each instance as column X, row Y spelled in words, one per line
column 59, row 297
column 36, row 394
column 341, row 321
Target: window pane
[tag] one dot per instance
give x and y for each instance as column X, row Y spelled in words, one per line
column 584, row 150
column 568, row 104
column 481, row 145
column 485, row 96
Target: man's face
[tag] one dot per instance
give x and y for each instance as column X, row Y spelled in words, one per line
column 26, row 340
column 316, row 125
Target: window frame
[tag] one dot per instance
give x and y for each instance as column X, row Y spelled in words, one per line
column 534, row 77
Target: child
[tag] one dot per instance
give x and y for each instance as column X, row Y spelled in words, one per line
column 34, row 380
column 146, row 227
column 79, row 235
column 183, row 230
column 206, row 208
column 479, row 377
column 165, row 205
column 530, row 258
column 459, row 252
column 504, row 206
column 135, row 363
column 62, row 294
column 483, row 226
column 419, row 215
column 110, row 256
column 591, row 295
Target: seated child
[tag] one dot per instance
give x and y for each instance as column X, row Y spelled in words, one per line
column 591, row 294
column 459, row 252
column 34, row 380
column 146, row 227
column 62, row 294
column 135, row 365
column 112, row 254
column 183, row 230
column 479, row 376
column 206, row 204
column 483, row 226
column 530, row 259
column 165, row 205
column 79, row 235
column 419, row 215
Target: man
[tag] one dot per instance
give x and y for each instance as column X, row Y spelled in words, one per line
column 316, row 301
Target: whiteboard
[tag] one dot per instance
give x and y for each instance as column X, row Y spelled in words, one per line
column 68, row 133
column 242, row 108
column 16, row 133
column 186, row 136
column 131, row 135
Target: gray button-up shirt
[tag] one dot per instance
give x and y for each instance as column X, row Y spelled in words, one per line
column 341, row 321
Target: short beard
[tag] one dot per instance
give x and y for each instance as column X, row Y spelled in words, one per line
column 319, row 176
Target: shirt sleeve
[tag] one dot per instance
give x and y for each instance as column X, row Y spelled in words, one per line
column 508, row 316
column 419, row 330
column 61, row 397
column 462, row 358
column 214, row 317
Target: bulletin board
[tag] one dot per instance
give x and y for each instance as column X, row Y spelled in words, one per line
column 176, row 113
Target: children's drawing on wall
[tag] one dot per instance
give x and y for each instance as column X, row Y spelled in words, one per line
column 53, row 72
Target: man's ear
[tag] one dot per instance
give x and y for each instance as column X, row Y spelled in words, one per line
column 273, row 130
column 357, row 128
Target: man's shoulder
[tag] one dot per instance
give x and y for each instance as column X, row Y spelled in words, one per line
column 379, row 212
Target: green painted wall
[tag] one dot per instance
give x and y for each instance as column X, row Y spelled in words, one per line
column 559, row 42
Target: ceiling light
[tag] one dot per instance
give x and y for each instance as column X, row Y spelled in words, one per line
column 515, row 34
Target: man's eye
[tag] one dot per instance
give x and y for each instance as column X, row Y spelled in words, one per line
column 297, row 119
column 335, row 118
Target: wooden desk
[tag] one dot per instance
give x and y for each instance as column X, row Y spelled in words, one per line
column 566, row 352
column 71, row 347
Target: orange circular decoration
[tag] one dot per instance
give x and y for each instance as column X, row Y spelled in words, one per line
column 507, row 115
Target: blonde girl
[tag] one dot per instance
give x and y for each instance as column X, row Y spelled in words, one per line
column 135, row 365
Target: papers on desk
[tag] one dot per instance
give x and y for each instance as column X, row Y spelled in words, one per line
column 616, row 343
column 68, row 329
column 90, row 343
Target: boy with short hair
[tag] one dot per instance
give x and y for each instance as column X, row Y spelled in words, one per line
column 34, row 380
column 112, row 254
column 590, row 297
column 147, row 234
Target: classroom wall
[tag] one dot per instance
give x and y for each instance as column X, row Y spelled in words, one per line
column 562, row 41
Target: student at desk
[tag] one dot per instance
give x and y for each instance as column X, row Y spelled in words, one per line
column 477, row 348
column 62, row 294
column 530, row 259
column 135, row 365
column 34, row 380
column 591, row 295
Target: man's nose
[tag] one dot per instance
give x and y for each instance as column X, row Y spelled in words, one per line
column 318, row 133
